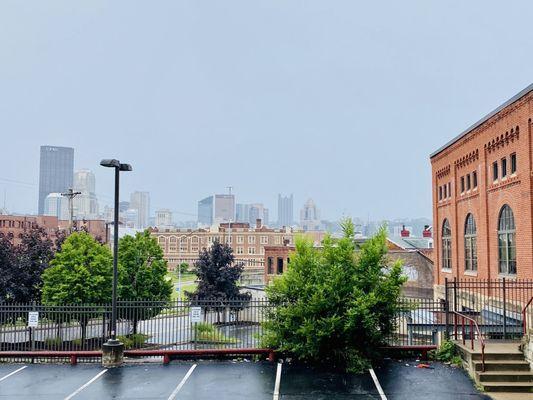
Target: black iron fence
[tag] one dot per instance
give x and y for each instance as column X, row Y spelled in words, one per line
column 176, row 325
column 497, row 305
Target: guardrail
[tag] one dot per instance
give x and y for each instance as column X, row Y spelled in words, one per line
column 525, row 320
column 473, row 324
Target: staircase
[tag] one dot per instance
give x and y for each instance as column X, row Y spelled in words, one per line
column 506, row 370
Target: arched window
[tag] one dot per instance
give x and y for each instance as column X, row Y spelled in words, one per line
column 470, row 244
column 506, row 241
column 446, row 245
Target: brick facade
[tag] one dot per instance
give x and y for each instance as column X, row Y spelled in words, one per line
column 464, row 182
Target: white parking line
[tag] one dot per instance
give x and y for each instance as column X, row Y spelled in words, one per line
column 378, row 386
column 178, row 388
column 13, row 373
column 77, row 391
column 278, row 382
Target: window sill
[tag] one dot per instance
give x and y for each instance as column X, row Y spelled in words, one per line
column 511, row 276
column 446, row 270
column 470, row 273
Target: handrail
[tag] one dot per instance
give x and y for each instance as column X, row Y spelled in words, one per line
column 473, row 324
column 524, row 315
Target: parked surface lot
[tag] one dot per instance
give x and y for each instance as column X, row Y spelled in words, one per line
column 229, row 380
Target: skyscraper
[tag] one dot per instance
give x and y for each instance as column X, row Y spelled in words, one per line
column 85, row 204
column 56, row 205
column 140, row 201
column 215, row 209
column 285, row 210
column 310, row 217
column 251, row 213
column 56, row 172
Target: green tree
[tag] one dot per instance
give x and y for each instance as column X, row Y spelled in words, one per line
column 142, row 276
column 333, row 305
column 80, row 273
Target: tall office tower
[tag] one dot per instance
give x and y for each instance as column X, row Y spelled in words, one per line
column 258, row 211
column 310, row 217
column 242, row 212
column 163, row 218
column 56, row 172
column 56, row 205
column 285, row 210
column 85, row 204
column 216, row 209
column 140, row 201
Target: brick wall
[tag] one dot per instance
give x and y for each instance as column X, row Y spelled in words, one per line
column 506, row 132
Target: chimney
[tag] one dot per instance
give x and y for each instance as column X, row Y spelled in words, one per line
column 258, row 223
column 427, row 232
column 404, row 232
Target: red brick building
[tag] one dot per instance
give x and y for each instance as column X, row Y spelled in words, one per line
column 482, row 183
column 15, row 225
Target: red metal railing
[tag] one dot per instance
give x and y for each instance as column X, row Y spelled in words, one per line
column 473, row 325
column 524, row 315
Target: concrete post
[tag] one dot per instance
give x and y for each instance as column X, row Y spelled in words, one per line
column 112, row 354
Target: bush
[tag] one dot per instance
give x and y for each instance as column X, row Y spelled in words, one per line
column 207, row 333
column 133, row 341
column 334, row 306
column 447, row 352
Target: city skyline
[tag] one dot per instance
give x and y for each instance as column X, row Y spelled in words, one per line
column 298, row 109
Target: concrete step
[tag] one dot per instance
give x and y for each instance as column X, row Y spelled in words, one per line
column 503, row 365
column 502, row 376
column 523, row 387
column 499, row 356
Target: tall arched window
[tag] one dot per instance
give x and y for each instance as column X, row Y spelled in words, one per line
column 446, row 245
column 506, row 241
column 470, row 244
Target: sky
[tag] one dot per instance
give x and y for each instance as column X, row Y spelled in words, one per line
column 339, row 101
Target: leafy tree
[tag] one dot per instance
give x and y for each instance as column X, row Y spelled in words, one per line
column 22, row 265
column 7, row 263
column 183, row 268
column 142, row 276
column 80, row 273
column 333, row 305
column 217, row 279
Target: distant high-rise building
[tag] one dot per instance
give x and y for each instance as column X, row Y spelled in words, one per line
column 56, row 172
column 56, row 205
column 310, row 217
column 242, row 212
column 85, row 204
column 123, row 206
column 251, row 213
column 140, row 201
column 131, row 218
column 163, row 218
column 215, row 209
column 285, row 210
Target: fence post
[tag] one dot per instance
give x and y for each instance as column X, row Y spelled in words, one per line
column 504, row 310
column 446, row 310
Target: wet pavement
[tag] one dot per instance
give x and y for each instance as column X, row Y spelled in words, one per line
column 230, row 380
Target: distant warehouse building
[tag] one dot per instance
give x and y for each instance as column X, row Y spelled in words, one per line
column 483, row 197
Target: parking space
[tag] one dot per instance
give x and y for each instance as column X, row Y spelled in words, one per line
column 232, row 380
column 402, row 380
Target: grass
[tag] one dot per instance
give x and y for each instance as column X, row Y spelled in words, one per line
column 207, row 333
column 188, row 283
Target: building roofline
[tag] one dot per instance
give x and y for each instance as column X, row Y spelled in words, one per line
column 516, row 97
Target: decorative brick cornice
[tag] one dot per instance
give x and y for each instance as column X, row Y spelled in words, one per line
column 441, row 173
column 467, row 159
column 485, row 125
column 503, row 139
column 468, row 196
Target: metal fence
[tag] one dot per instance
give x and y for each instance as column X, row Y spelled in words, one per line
column 420, row 322
column 497, row 305
column 176, row 325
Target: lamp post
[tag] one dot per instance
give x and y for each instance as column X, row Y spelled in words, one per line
column 113, row 350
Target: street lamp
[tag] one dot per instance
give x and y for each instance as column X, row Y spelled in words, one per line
column 113, row 350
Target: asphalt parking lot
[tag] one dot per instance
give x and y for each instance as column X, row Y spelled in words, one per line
column 231, row 380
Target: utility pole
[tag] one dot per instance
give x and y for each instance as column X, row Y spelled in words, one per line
column 70, row 194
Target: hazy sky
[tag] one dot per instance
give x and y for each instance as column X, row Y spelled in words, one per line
column 341, row 101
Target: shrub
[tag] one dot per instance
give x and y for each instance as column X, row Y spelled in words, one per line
column 447, row 352
column 334, row 306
